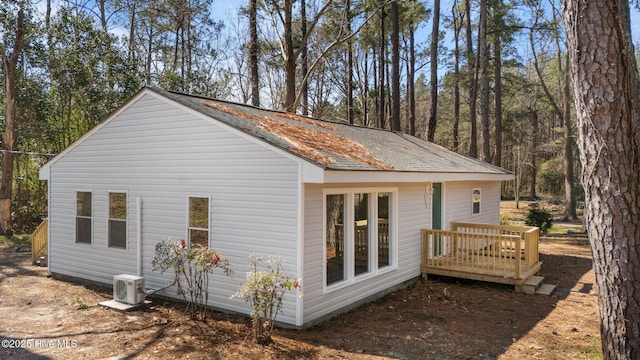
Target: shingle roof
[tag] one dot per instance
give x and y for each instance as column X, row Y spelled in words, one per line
column 336, row 146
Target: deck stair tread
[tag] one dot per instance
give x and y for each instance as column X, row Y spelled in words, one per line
column 534, row 281
column 532, row 284
column 545, row 289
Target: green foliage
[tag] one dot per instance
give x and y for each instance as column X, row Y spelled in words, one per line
column 505, row 219
column 541, row 218
column 79, row 304
column 264, row 290
column 191, row 266
column 15, row 240
column 551, row 177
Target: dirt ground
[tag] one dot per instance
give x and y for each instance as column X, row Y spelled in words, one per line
column 438, row 318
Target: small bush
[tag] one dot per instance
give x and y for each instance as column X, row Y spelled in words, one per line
column 505, row 219
column 191, row 266
column 264, row 290
column 541, row 218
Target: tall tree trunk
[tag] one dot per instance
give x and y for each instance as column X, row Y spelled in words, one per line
column 569, row 188
column 102, row 9
column 254, row 49
column 457, row 26
column 497, row 80
column 395, row 67
column 289, row 59
column 381, row 67
column 304, row 65
column 149, row 54
column 433, row 86
column 132, row 33
column 472, row 68
column 350, row 110
column 483, row 63
column 10, row 65
column 535, row 124
column 607, row 101
column 411, row 80
column 365, row 90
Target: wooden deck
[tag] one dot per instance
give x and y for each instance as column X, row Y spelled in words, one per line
column 501, row 254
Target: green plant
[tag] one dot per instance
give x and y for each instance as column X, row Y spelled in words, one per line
column 264, row 290
column 505, row 219
column 192, row 266
column 79, row 304
column 541, row 218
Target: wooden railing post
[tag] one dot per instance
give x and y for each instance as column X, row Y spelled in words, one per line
column 516, row 257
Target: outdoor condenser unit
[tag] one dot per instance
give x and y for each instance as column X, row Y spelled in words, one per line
column 128, row 289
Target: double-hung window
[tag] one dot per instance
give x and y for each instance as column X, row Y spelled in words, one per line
column 118, row 220
column 358, row 231
column 198, row 229
column 476, row 197
column 83, row 217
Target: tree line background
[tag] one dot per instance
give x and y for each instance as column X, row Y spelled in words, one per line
column 485, row 78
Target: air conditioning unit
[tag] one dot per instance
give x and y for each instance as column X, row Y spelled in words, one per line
column 128, row 289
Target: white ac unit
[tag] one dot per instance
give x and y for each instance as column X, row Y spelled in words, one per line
column 128, row 289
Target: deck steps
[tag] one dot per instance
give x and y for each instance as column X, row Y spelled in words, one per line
column 534, row 285
column 545, row 289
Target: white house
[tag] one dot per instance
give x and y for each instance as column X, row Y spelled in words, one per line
column 270, row 183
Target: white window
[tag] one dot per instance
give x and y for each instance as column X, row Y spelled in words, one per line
column 83, row 217
column 475, row 201
column 198, row 230
column 359, row 233
column 118, row 220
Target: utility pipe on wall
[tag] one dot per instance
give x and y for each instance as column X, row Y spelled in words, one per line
column 139, row 236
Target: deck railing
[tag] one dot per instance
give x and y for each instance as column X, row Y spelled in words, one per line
column 491, row 250
column 529, row 235
column 39, row 240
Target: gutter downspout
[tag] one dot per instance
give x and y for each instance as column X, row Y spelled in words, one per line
column 139, row 236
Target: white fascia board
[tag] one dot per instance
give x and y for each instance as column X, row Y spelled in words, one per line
column 45, row 170
column 335, row 176
column 44, row 173
column 312, row 173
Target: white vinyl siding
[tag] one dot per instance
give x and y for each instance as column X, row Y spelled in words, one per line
column 458, row 201
column 162, row 154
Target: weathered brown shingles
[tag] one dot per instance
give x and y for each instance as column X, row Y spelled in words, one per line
column 314, row 140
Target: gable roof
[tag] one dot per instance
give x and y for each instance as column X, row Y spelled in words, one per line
column 331, row 151
column 336, row 146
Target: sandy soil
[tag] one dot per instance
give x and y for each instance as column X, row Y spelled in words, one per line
column 438, row 318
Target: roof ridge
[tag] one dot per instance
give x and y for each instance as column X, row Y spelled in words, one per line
column 467, row 157
column 338, row 122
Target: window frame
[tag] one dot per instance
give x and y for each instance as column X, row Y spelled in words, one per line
column 188, row 218
column 125, row 220
column 90, row 218
column 475, row 201
column 349, row 235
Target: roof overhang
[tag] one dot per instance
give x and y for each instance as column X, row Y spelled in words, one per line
column 317, row 175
